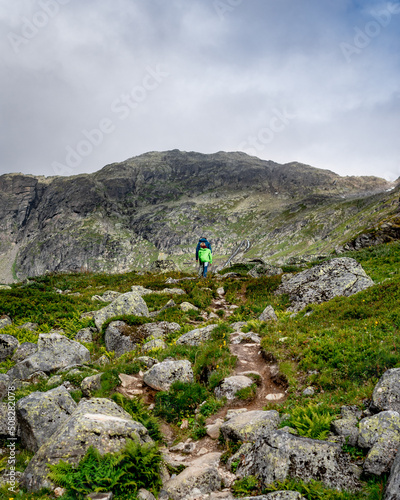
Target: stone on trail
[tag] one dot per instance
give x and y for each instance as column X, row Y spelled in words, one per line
column 250, row 425
column 197, row 336
column 231, row 385
column 162, row 375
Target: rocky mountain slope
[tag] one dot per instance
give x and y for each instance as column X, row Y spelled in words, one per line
column 157, row 205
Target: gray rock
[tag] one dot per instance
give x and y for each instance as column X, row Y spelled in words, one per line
column 231, row 385
column 121, row 338
column 8, row 422
column 201, row 475
column 250, row 425
column 392, row 491
column 95, row 422
column 147, row 361
column 24, row 350
column 187, row 306
column 158, row 329
column 280, row 455
column 346, row 427
column 163, row 266
column 8, row 344
column 249, row 337
column 90, row 385
column 41, row 413
column 5, row 321
column 309, row 391
column 143, row 494
column 85, row 335
column 162, row 375
column 173, row 291
column 268, row 314
column 386, row 395
column 108, row 495
column 381, row 434
column 263, row 269
column 278, row 495
column 127, row 303
column 338, row 277
column 4, row 385
column 103, row 360
column 54, row 351
column 141, row 290
column 197, row 336
column 153, row 344
column 29, row 326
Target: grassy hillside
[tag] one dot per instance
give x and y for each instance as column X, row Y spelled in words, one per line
column 341, row 347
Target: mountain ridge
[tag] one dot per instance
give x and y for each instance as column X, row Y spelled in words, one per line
column 158, row 204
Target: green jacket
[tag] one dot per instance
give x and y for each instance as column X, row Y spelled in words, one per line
column 205, row 255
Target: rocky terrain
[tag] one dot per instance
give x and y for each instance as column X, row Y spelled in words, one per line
column 158, row 204
column 210, row 359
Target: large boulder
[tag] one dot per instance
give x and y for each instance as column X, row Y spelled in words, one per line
column 281, row 455
column 381, row 435
column 342, row 276
column 4, row 385
column 268, row 314
column 197, row 336
column 24, row 350
column 392, row 491
column 95, row 422
column 8, row 344
column 264, row 269
column 162, row 375
column 127, row 303
column 386, row 395
column 158, row 329
column 54, row 351
column 250, row 425
column 41, row 413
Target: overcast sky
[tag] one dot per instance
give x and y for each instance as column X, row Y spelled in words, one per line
column 85, row 83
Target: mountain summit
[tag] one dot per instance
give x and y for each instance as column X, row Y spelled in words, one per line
column 158, row 204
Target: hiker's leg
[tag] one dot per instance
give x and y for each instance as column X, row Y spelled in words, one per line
column 205, row 269
column 200, row 270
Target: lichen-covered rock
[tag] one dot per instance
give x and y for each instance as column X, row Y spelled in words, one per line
column 24, row 350
column 158, row 329
column 121, row 338
column 278, row 495
column 147, row 361
column 32, row 327
column 249, row 337
column 386, row 395
column 8, row 422
column 392, row 491
column 85, row 335
column 4, row 385
column 197, row 336
column 280, row 455
column 381, row 435
column 338, row 277
column 162, row 375
column 172, row 291
column 347, row 426
column 268, row 314
column 231, row 385
column 90, row 385
column 250, row 425
column 127, row 303
column 95, row 422
column 187, row 306
column 153, row 344
column 54, row 351
column 8, row 344
column 5, row 321
column 201, row 476
column 41, row 413
column 163, row 266
column 264, row 269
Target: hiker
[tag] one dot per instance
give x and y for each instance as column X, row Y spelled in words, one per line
column 205, row 259
column 208, row 245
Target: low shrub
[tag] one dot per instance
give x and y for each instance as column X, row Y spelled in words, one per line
column 312, row 421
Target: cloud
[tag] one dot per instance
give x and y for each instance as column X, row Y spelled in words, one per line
column 99, row 82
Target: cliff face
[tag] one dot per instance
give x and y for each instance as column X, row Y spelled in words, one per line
column 157, row 204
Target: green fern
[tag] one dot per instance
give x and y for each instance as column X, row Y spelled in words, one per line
column 311, row 421
column 136, row 466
